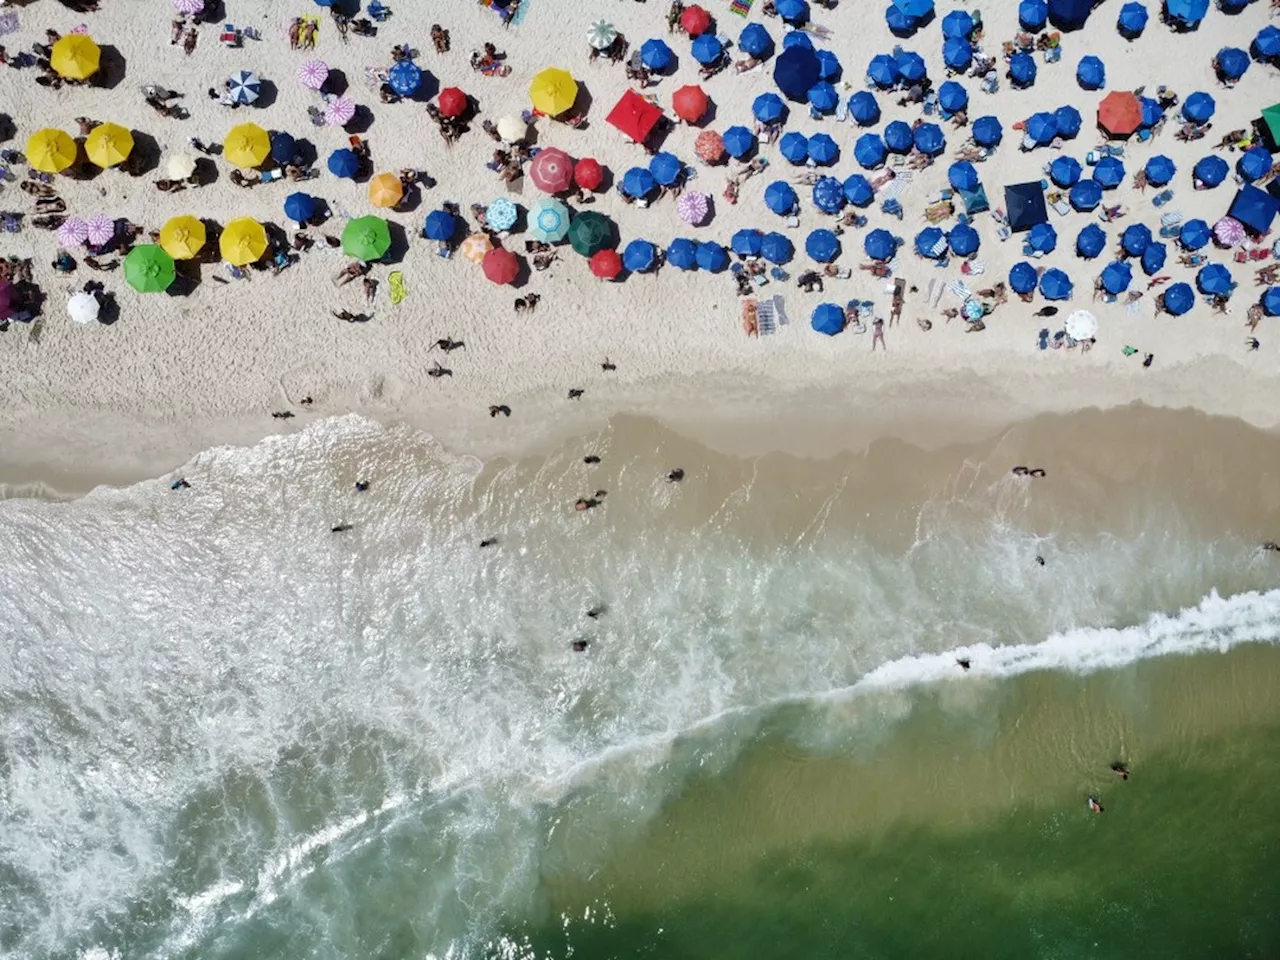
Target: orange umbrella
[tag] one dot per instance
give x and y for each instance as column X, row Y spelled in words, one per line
column 385, row 190
column 501, row 266
column 1120, row 113
column 689, row 103
column 709, row 147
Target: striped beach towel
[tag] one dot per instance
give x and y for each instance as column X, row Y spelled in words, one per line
column 740, row 7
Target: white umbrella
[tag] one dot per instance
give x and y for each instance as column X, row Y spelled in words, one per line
column 601, row 35
column 1081, row 325
column 83, row 307
column 512, row 128
column 180, row 166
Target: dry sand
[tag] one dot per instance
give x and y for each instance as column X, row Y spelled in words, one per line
column 175, row 375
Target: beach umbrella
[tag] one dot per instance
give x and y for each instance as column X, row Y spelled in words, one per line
column 707, row 49
column 1229, row 231
column 796, row 38
column 880, row 245
column 1210, row 171
column 1199, row 107
column 182, row 237
column 1064, row 171
column 1090, row 241
column 148, row 269
column 952, row 97
column 1022, row 69
column 1266, row 45
column 606, row 264
column 340, row 111
column 247, row 146
column 601, row 34
column 883, row 71
column 1254, row 164
column 1119, row 113
column 1153, row 257
column 283, row 147
column 957, row 54
column 385, row 190
column 910, row 65
column 828, row 195
column 828, row 319
column 553, row 91
column 693, row 207
column 897, row 137
column 1055, row 285
column 1194, row 234
column 1041, row 128
column 864, row 108
column 1068, row 120
column 72, row 232
column 829, row 67
column 823, row 97
column 501, row 266
column 957, row 23
column 900, row 24
column 795, row 12
column 50, row 151
column 769, row 108
column 822, row 246
column 452, row 102
column 1025, row 205
column 588, row 174
column 638, row 183
column 313, row 73
column 1178, row 299
column 794, row 147
column 869, row 151
column 755, row 41
column 1032, row 14
column 1187, row 12
column 711, row 257
column 1215, row 280
column 987, row 131
column 188, row 6
column 244, row 86
column 1254, row 208
column 780, row 198
column 823, row 150
column 695, row 20
column 747, row 243
column 83, row 307
column 512, row 128
column 551, row 170
column 963, row 175
column 709, row 147
column 667, row 169
column 441, row 225
column 244, row 241
column 1023, row 277
column 929, row 139
column 1116, row 277
column 75, row 57
column 1271, row 302
column 795, row 70
column 858, row 190
column 964, row 240
column 655, row 55
column 739, row 141
column 1108, row 172
column 915, row 8
column 102, row 229
column 179, row 166
column 931, row 242
column 501, row 214
column 404, row 77
column 1159, row 170
column 1081, row 325
column 1042, row 238
column 108, row 144
column 1091, row 73
column 1151, row 111
column 1135, row 239
column 1070, row 14
column 590, row 231
column 475, row 247
column 365, row 238
column 1231, row 62
column 639, row 255
column 1132, row 20
column 777, row 248
column 344, row 163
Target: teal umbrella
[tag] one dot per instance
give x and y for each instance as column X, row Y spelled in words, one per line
column 549, row 220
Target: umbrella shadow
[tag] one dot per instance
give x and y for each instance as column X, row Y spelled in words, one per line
column 215, row 11
column 268, row 93
column 411, row 200
column 186, row 279
column 523, row 275
column 708, row 116
column 8, row 130
column 399, row 244
column 305, row 153
column 336, row 83
column 108, row 308
column 206, row 171
column 428, row 88
column 582, row 102
column 210, row 253
column 145, row 155
column 360, row 121
column 658, row 135
column 111, row 68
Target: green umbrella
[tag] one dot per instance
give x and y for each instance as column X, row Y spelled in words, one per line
column 1271, row 117
column 366, row 238
column 590, row 232
column 149, row 269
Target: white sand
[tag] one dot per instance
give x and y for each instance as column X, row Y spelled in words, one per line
column 175, row 375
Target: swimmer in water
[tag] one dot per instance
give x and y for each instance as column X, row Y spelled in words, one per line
column 1120, row 770
column 963, row 663
column 340, row 528
column 579, row 646
column 1040, row 561
column 585, row 503
column 594, row 612
column 1271, row 545
column 675, row 476
column 362, row 486
column 1094, row 805
column 179, row 484
column 592, row 458
column 489, row 542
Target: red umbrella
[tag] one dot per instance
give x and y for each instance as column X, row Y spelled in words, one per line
column 501, row 266
column 588, row 173
column 695, row 20
column 709, row 147
column 634, row 115
column 551, row 170
column 606, row 264
column 1120, row 113
column 689, row 103
column 453, row 102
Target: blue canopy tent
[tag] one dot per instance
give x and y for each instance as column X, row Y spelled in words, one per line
column 1068, row 121
column 828, row 195
column 1042, row 238
column 344, row 163
column 638, row 183
column 869, row 150
column 1091, row 241
column 910, row 65
column 1109, row 172
column 883, row 71
column 639, row 255
column 1271, row 302
column 931, row 242
column 1091, row 73
column 747, row 243
column 952, row 97
column 1069, row 14
column 957, row 23
column 301, row 207
column 1132, row 20
column 823, row 97
column 864, row 108
column 1153, row 257
column 822, row 246
column 683, row 254
column 1266, row 45
column 712, row 257
column 1022, row 69
column 754, row 41
column 1254, row 164
column 829, row 67
column 828, row 319
column 1033, row 14
column 1232, row 63
column 1255, row 208
column 780, row 198
column 1086, row 195
column 957, row 54
column 897, row 137
column 1199, row 107
column 1135, row 239
column 707, row 49
column 739, row 141
column 795, row 70
column 975, row 201
column 1194, row 234
column 1179, row 298
column 1023, row 277
column 964, row 240
column 1024, row 203
column 794, row 12
column 1215, row 280
column 880, row 245
column 657, row 56
column 404, row 77
column 794, row 147
column 1055, row 285
column 1186, row 14
column 962, row 175
column 823, row 150
column 1116, row 277
column 1041, row 128
column 987, row 131
column 769, row 108
column 1159, row 170
column 858, row 190
column 1210, row 170
column 900, row 24
column 929, row 139
column 1065, row 171
column 777, row 248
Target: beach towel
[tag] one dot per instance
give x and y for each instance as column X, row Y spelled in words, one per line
column 396, row 287
column 8, row 23
column 766, row 319
column 962, row 293
column 741, row 7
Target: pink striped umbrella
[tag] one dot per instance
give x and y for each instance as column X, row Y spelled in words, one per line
column 101, row 229
column 189, row 6
column 313, row 74
column 1229, row 231
column 692, row 207
column 73, row 232
column 340, row 111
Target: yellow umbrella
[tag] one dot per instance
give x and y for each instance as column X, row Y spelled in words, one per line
column 246, row 145
column 476, row 246
column 385, row 190
column 50, row 151
column 75, row 57
column 108, row 144
column 182, row 237
column 553, row 91
column 243, row 242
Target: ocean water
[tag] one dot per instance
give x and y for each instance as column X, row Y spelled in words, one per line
column 226, row 731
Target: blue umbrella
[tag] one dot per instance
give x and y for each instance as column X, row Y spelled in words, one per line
column 1022, row 69
column 864, row 109
column 1153, row 257
column 796, row 38
column 1179, row 298
column 1271, row 302
column 747, row 243
column 822, row 246
column 1233, row 6
column 638, row 182
column 780, row 198
column 900, row 24
column 1042, row 238
column 1116, row 277
column 440, row 225
column 957, row 54
column 1194, row 234
column 405, row 77
column 957, row 23
column 828, row 195
column 880, row 245
column 344, row 163
column 962, row 175
column 639, row 255
column 1090, row 241
column 1070, row 14
column 1266, row 45
column 769, row 108
column 1055, row 285
column 794, row 146
column 795, row 12
column 1232, row 63
column 952, row 97
column 683, row 254
column 1032, row 14
column 1198, row 107
column 829, row 68
column 1068, row 120
column 828, row 318
column 1159, row 170
column 1108, row 171
column 915, row 8
column 1091, row 73
column 1187, row 12
column 1022, row 277
column 823, row 150
column 869, row 150
column 244, row 86
column 929, row 139
column 300, row 207
column 777, row 248
column 1254, row 164
column 1041, row 128
column 1214, row 279
column 657, row 56
column 1132, row 20
column 795, row 70
column 910, row 65
column 1210, row 170
column 858, row 190
column 666, row 168
column 898, row 137
column 1151, row 111
column 738, row 141
column 1135, row 239
column 1086, row 195
column 283, row 147
column 1255, row 208
column 883, row 71
column 987, row 131
column 712, row 257
column 707, row 49
column 823, row 97
column 930, row 239
column 1064, row 171
column 754, row 41
column 964, row 240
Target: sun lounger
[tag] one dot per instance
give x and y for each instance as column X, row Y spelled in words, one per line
column 766, row 318
column 958, row 289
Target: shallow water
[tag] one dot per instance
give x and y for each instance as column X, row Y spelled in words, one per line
column 227, row 731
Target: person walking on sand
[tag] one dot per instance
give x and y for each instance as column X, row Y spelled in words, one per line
column 877, row 334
